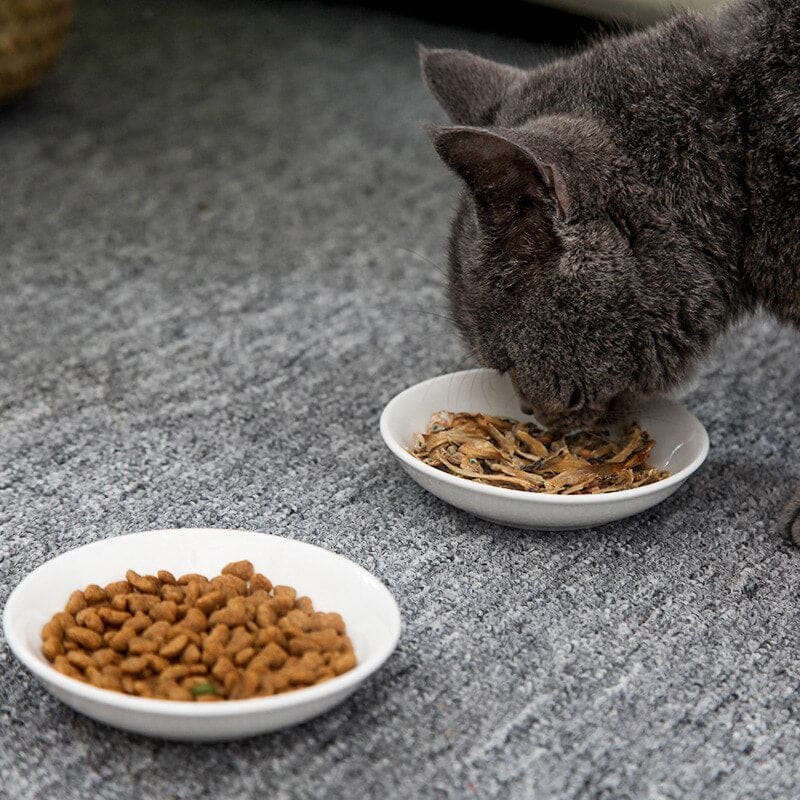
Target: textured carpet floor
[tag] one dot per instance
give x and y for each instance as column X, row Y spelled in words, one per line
column 216, row 223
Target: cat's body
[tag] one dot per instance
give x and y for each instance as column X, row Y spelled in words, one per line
column 626, row 205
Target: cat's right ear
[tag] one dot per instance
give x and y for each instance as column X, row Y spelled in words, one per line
column 468, row 87
column 500, row 171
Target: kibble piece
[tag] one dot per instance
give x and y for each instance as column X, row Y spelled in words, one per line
column 77, row 602
column 174, row 593
column 166, row 577
column 146, row 584
column 117, row 587
column 134, row 664
column 260, row 583
column 211, row 601
column 89, row 618
column 111, row 616
column 174, row 647
column 241, row 569
column 94, row 594
column 85, row 637
column 166, row 609
column 65, row 668
column 158, row 631
column 52, row 647
column 191, row 654
column 138, row 645
column 142, row 602
column 193, row 576
column 105, row 657
column 195, row 620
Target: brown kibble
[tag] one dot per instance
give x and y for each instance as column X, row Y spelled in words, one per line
column 211, row 601
column 319, row 621
column 119, row 602
column 111, row 616
column 191, row 654
column 85, row 637
column 146, row 584
column 53, row 629
column 158, row 631
column 192, row 576
column 344, row 662
column 142, row 602
column 243, row 657
column 274, row 655
column 138, row 645
column 240, row 638
column 212, row 650
column 241, row 569
column 195, row 620
column 117, row 587
column 119, row 641
column 52, row 647
column 174, row 647
column 166, row 577
column 166, row 609
column 235, row 613
column 208, row 698
column 157, row 663
column 65, row 668
column 94, row 594
column 105, row 657
column 259, row 582
column 305, row 605
column 174, row 593
column 77, row 602
column 89, row 618
column 134, row 664
column 139, row 622
column 223, row 666
column 127, row 684
column 265, row 615
column 79, row 659
column 230, row 586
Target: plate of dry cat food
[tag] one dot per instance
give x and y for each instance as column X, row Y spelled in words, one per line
column 463, row 438
column 201, row 634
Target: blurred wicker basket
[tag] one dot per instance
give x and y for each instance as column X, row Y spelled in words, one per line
column 32, row 33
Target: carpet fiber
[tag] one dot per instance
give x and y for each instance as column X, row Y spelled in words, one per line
column 217, row 225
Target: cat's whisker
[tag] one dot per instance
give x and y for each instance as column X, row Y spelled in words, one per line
column 438, row 267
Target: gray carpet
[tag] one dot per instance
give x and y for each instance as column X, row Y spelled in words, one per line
column 216, row 223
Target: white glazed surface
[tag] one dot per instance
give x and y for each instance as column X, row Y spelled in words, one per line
column 681, row 447
column 332, row 582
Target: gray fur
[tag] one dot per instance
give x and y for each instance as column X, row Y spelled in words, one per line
column 625, row 206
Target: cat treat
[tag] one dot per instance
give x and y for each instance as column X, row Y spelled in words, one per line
column 232, row 637
column 516, row 455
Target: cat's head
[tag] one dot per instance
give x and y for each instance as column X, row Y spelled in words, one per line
column 548, row 281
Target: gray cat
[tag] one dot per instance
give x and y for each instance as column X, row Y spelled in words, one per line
column 625, row 206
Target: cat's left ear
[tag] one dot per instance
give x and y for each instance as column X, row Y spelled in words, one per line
column 468, row 87
column 500, row 171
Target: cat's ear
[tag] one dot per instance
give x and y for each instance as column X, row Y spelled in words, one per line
column 500, row 171
column 468, row 87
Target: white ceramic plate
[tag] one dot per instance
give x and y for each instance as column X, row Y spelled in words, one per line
column 681, row 447
column 332, row 582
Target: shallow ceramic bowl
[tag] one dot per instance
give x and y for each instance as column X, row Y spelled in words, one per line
column 332, row 582
column 681, row 447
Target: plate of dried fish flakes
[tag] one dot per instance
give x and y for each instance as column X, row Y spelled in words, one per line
column 462, row 437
